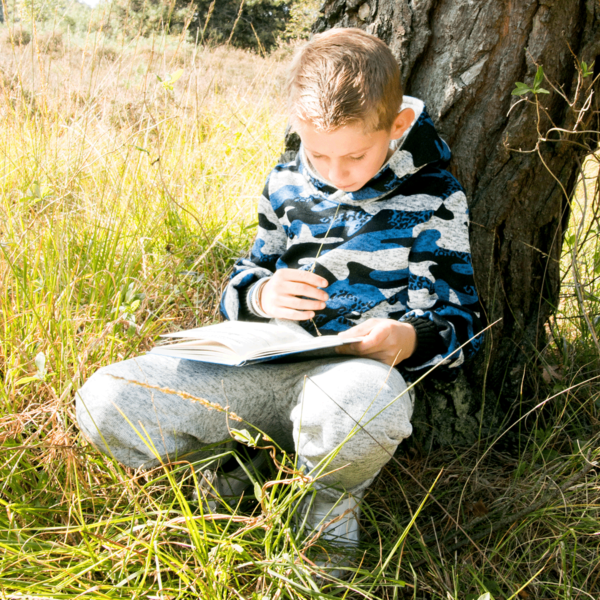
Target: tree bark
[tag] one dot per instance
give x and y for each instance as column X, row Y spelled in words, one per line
column 463, row 57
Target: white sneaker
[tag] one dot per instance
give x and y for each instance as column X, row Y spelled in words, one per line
column 338, row 523
column 227, row 486
column 230, row 485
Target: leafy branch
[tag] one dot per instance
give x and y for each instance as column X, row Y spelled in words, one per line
column 522, row 88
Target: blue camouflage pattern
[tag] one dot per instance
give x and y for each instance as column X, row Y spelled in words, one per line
column 396, row 248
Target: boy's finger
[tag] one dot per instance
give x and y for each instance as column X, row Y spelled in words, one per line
column 304, row 304
column 362, row 329
column 352, row 349
column 306, row 277
column 367, row 344
column 301, row 289
column 295, row 315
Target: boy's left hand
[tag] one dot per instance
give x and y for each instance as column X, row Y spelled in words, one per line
column 384, row 340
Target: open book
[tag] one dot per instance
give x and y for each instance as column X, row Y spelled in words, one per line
column 238, row 343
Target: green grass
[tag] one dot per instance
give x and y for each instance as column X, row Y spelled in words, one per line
column 122, row 208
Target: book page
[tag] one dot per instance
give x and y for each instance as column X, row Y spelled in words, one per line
column 241, row 337
column 312, row 343
column 210, row 357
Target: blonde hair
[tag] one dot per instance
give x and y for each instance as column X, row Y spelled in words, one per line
column 342, row 77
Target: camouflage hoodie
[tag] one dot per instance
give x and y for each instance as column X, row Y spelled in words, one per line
column 398, row 248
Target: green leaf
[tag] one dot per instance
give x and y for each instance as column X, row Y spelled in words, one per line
column 175, row 76
column 168, row 82
column 597, row 263
column 258, row 491
column 243, row 436
column 25, row 380
column 539, row 77
column 521, row 89
column 586, row 70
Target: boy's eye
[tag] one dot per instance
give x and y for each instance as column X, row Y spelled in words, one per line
column 358, row 157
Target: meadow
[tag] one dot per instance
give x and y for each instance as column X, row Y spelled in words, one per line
column 129, row 175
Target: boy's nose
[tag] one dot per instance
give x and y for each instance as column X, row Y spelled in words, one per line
column 338, row 175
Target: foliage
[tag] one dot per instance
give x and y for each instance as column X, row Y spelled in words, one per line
column 249, row 24
column 38, row 10
column 142, row 17
column 303, row 13
column 522, row 88
column 66, row 13
column 257, row 24
column 252, row 24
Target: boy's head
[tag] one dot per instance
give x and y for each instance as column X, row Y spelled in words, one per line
column 345, row 77
column 344, row 95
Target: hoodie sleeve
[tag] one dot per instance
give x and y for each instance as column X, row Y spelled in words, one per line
column 442, row 300
column 269, row 245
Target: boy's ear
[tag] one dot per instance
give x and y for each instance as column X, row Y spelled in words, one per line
column 401, row 123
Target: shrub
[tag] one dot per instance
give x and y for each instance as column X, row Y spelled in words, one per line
column 50, row 42
column 20, row 37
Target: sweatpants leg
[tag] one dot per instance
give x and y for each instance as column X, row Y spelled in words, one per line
column 351, row 416
column 356, row 411
column 119, row 415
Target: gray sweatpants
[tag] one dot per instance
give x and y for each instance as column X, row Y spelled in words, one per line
column 356, row 410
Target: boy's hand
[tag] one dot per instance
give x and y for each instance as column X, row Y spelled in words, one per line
column 385, row 340
column 282, row 296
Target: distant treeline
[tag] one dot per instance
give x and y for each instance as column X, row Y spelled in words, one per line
column 258, row 24
column 248, row 24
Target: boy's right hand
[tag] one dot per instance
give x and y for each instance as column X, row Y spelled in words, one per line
column 294, row 295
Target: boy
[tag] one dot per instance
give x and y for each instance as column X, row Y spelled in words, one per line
column 363, row 234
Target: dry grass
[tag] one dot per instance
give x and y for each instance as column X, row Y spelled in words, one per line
column 122, row 206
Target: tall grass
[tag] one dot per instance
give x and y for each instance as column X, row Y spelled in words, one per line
column 124, row 200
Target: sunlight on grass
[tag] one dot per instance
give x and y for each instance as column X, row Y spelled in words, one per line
column 129, row 178
column 581, row 263
column 123, row 204
column 125, row 189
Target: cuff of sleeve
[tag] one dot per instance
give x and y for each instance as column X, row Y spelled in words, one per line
column 252, row 296
column 429, row 341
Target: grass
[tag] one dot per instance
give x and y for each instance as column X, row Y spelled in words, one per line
column 123, row 204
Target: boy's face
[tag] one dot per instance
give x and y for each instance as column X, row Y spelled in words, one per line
column 349, row 156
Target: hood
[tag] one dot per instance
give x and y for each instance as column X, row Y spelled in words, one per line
column 419, row 147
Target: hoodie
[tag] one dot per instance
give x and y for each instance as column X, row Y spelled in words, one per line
column 398, row 248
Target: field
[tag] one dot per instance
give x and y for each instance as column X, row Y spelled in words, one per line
column 129, row 175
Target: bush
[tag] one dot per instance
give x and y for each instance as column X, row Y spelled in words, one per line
column 108, row 53
column 258, row 25
column 17, row 36
column 50, row 42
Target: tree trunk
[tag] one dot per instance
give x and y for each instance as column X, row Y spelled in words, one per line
column 463, row 57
